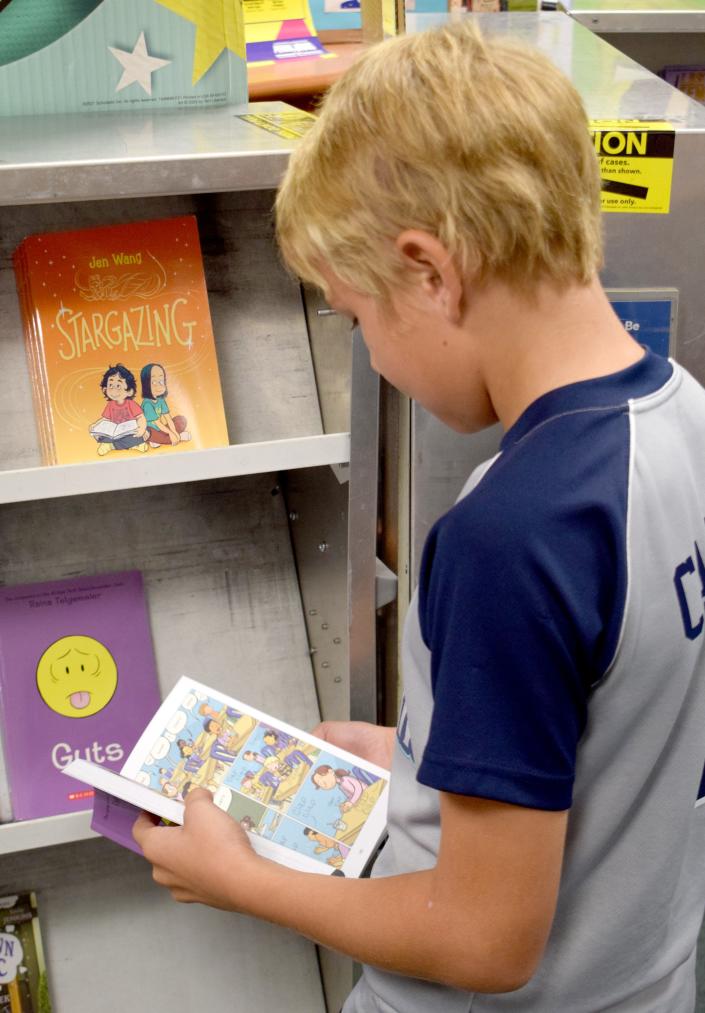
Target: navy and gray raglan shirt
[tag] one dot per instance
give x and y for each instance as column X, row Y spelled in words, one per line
column 554, row 657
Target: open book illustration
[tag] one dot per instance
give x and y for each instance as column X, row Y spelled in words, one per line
column 113, row 430
column 304, row 803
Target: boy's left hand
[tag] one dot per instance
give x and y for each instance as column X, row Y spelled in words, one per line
column 201, row 861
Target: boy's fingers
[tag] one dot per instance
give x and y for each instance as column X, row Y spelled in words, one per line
column 143, row 823
column 196, row 797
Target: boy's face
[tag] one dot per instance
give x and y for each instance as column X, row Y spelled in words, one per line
column 415, row 348
column 116, row 388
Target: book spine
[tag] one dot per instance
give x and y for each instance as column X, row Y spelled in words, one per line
column 6, row 813
column 39, row 358
column 22, row 281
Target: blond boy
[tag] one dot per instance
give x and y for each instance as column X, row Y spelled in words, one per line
column 545, row 849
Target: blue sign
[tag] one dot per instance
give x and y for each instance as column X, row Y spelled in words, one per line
column 648, row 322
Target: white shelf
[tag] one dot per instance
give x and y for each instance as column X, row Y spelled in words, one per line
column 153, row 469
column 27, row 834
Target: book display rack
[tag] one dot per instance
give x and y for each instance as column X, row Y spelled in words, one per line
column 258, row 557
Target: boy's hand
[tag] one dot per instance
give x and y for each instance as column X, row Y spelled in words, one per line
column 372, row 742
column 203, row 861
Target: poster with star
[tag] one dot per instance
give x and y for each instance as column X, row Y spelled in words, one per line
column 118, row 55
column 119, row 342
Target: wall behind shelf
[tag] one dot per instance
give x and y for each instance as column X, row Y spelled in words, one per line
column 115, row 941
column 219, row 574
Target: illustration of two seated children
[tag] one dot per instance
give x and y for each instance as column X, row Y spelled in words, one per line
column 127, row 425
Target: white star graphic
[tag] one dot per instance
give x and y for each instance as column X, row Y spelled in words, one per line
column 139, row 65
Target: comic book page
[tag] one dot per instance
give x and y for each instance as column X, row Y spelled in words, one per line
column 304, row 803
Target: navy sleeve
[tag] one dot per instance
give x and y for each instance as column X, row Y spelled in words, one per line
column 521, row 594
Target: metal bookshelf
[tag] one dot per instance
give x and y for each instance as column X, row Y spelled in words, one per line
column 249, row 579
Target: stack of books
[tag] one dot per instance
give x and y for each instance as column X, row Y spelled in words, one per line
column 119, row 341
column 78, row 678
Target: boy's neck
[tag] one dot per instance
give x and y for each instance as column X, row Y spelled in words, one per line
column 558, row 337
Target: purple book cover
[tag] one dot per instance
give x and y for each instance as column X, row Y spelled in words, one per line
column 77, row 678
column 114, row 819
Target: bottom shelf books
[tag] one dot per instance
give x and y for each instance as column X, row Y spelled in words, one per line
column 23, row 978
column 304, row 802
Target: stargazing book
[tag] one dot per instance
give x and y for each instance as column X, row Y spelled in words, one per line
column 120, row 55
column 304, row 802
column 77, row 678
column 119, row 341
column 23, row 976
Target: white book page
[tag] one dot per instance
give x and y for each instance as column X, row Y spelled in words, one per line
column 124, row 788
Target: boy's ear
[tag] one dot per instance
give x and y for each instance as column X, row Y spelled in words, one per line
column 431, row 267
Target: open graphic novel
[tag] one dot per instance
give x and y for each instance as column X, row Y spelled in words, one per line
column 23, row 976
column 119, row 341
column 305, row 803
column 77, row 678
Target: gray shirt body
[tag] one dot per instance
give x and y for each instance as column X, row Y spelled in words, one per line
column 633, row 883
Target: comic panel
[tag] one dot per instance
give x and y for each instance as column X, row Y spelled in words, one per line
column 196, row 748
column 272, row 767
column 306, row 841
column 336, row 801
column 271, row 825
column 249, row 814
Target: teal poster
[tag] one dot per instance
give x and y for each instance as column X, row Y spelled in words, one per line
column 117, row 55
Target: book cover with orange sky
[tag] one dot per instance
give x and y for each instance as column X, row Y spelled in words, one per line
column 120, row 342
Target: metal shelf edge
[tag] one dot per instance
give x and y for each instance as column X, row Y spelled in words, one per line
column 55, row 481
column 25, row 835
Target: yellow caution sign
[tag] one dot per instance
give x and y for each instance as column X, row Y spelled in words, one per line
column 636, row 165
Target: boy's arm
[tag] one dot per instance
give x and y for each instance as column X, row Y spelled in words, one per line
column 478, row 921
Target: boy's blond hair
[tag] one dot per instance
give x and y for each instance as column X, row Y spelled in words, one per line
column 480, row 141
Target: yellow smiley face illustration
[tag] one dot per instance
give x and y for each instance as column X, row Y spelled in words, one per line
column 76, row 676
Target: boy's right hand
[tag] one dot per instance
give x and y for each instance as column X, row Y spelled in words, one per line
column 372, row 742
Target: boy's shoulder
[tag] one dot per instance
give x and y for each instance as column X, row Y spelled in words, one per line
column 556, row 495
column 569, row 449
